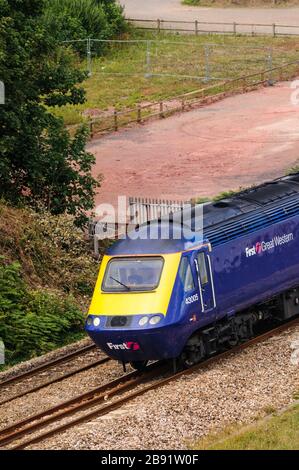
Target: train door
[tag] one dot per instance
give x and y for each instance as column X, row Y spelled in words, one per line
column 203, row 266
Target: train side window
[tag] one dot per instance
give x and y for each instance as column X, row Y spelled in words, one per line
column 202, row 266
column 185, row 274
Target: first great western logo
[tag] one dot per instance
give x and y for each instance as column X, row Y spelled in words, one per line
column 262, row 246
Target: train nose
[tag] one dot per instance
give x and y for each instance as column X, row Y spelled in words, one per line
column 141, row 340
column 122, row 347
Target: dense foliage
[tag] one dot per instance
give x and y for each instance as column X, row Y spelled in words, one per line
column 46, row 274
column 52, row 252
column 80, row 19
column 32, row 322
column 39, row 161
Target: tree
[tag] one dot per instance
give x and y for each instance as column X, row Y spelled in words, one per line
column 80, row 19
column 39, row 161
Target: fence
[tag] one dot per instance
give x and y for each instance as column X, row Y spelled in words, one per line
column 201, row 96
column 2, row 352
column 141, row 210
column 201, row 27
column 144, row 209
column 179, row 59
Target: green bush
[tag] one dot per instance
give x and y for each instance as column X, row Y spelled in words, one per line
column 59, row 253
column 80, row 19
column 52, row 251
column 33, row 322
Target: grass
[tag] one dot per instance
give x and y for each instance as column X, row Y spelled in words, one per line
column 119, row 77
column 278, row 432
column 241, row 3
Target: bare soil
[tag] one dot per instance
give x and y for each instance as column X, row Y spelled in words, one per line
column 239, row 141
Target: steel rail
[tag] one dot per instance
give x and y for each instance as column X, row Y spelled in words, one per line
column 118, row 386
column 79, row 403
column 52, row 362
column 56, row 380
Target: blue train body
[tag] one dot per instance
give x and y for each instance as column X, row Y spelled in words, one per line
column 243, row 268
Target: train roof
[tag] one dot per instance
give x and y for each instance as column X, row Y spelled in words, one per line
column 250, row 200
column 223, row 220
column 251, row 209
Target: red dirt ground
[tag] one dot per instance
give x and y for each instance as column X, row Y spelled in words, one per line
column 239, row 141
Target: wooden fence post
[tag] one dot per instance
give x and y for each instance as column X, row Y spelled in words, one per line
column 115, row 120
column 158, row 25
column 280, row 75
column 91, row 128
column 274, row 29
column 196, row 27
column 138, row 113
column 161, row 110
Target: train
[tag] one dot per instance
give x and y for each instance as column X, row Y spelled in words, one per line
column 189, row 295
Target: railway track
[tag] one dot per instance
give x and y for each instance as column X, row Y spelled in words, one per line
column 47, row 366
column 53, row 362
column 96, row 396
column 118, row 392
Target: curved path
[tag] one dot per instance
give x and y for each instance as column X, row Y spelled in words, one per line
column 174, row 10
column 235, row 142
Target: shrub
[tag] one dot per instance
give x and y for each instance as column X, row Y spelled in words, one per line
column 33, row 322
column 51, row 250
column 80, row 19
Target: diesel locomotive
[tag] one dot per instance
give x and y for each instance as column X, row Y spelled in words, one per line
column 187, row 297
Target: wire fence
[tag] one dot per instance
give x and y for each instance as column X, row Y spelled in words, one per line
column 178, row 59
column 202, row 96
column 217, row 69
column 201, row 27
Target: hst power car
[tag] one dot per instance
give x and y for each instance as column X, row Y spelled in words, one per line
column 185, row 297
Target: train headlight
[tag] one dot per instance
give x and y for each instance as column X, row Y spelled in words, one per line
column 96, row 321
column 143, row 321
column 89, row 321
column 154, row 320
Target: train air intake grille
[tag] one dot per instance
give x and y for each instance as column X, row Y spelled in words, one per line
column 258, row 219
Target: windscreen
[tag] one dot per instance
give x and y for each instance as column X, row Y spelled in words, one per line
column 132, row 274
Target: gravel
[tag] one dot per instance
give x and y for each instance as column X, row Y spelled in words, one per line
column 37, row 361
column 52, row 373
column 236, row 390
column 58, row 392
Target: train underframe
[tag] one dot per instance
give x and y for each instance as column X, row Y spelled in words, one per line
column 230, row 332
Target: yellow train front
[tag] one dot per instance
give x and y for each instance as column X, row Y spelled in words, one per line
column 145, row 301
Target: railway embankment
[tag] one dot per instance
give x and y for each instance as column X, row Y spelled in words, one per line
column 46, row 278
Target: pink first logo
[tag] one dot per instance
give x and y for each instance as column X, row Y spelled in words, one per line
column 258, row 247
column 133, row 346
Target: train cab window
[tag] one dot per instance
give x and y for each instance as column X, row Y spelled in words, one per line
column 185, row 274
column 202, row 266
column 133, row 274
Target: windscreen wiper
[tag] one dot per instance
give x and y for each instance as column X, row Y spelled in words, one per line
column 121, row 283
